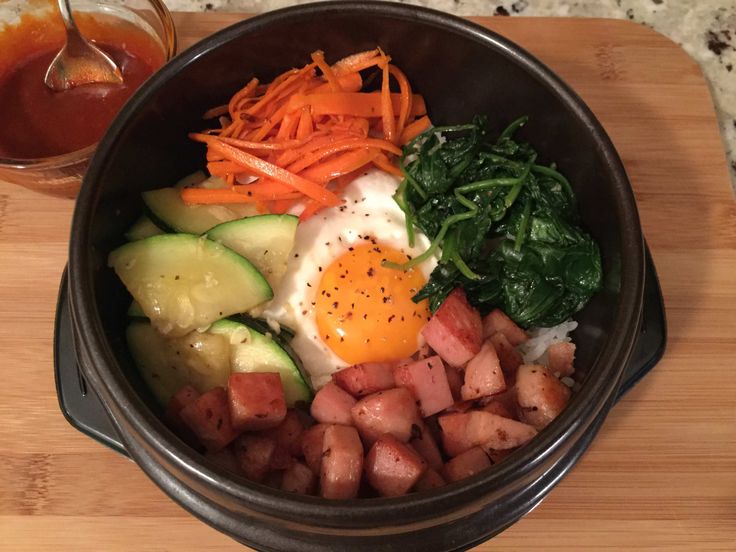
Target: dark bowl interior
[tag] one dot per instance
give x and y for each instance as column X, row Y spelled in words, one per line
column 461, row 70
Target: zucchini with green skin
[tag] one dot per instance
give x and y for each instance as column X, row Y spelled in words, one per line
column 184, row 282
column 167, row 210
column 265, row 240
column 135, row 310
column 168, row 364
column 253, row 351
column 143, row 228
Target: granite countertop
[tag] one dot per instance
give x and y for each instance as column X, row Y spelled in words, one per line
column 706, row 29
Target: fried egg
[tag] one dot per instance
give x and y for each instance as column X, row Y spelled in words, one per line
column 344, row 306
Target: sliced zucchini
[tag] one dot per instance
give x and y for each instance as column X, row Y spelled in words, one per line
column 192, row 180
column 167, row 364
column 184, row 282
column 143, row 228
column 166, row 208
column 265, row 240
column 253, row 351
column 135, row 310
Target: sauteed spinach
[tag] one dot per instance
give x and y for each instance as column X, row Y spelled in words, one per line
column 507, row 227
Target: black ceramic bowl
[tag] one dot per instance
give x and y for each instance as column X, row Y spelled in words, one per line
column 462, row 70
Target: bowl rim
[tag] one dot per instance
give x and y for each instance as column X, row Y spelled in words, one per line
column 192, row 466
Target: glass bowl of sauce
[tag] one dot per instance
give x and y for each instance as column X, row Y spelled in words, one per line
column 47, row 137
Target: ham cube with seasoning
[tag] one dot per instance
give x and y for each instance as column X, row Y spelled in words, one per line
column 497, row 321
column 366, row 378
column 560, row 358
column 185, row 396
column 430, row 480
column 467, row 464
column 209, row 419
column 254, row 454
column 540, row 394
column 256, row 400
column 311, row 445
column 427, row 380
column 508, row 356
column 461, row 431
column 393, row 411
column 455, row 331
column 392, row 467
column 331, row 405
column 298, row 478
column 423, row 442
column 288, row 433
column 342, row 462
column 224, row 458
column 483, row 375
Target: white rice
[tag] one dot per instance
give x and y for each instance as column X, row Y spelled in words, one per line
column 534, row 351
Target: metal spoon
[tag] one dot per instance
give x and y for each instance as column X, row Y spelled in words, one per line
column 79, row 62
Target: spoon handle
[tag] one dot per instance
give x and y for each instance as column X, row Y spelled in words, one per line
column 66, row 14
column 75, row 44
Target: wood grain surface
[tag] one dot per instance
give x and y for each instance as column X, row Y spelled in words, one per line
column 661, row 475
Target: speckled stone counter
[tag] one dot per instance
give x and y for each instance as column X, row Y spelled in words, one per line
column 706, row 29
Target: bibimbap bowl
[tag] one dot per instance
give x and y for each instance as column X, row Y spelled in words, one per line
column 462, row 70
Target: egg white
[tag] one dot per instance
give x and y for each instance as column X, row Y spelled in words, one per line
column 369, row 211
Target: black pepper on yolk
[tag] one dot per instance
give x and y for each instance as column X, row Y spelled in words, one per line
column 364, row 311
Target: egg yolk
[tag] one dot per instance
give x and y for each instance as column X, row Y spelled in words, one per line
column 364, row 311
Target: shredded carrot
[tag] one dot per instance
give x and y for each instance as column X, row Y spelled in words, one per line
column 341, row 164
column 383, row 163
column 307, row 134
column 415, row 129
column 204, row 196
column 318, row 58
column 357, row 62
column 405, row 91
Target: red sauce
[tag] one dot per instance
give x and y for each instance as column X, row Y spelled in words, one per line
column 37, row 122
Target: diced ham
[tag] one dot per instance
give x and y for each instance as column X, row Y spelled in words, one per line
column 462, row 431
column 508, row 356
column 455, row 331
column 454, row 380
column 298, row 478
column 254, row 453
column 427, row 381
column 280, row 458
column 498, row 408
column 461, row 406
column 331, row 405
column 185, row 396
column 366, row 378
column 311, row 444
column 497, row 321
column 430, row 480
column 393, row 411
column 497, row 456
column 483, row 375
column 391, row 467
column 560, row 358
column 224, row 458
column 342, row 462
column 424, row 351
column 541, row 396
column 468, row 463
column 507, row 399
column 423, row 442
column 256, row 400
column 288, row 433
column 209, row 418
column 272, row 479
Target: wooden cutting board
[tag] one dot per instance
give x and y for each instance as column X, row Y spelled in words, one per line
column 661, row 475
